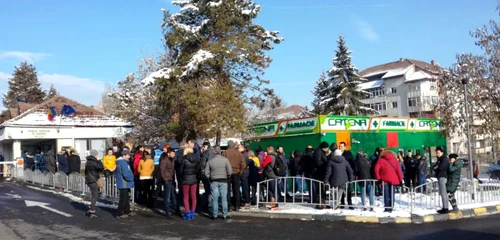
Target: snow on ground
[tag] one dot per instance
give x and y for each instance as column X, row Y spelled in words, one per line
column 74, row 198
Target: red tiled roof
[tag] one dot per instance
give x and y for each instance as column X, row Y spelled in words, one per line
column 402, row 63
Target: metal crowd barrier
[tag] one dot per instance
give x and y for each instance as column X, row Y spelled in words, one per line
column 284, row 191
column 74, row 182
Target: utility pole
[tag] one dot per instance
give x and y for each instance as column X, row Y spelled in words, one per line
column 469, row 148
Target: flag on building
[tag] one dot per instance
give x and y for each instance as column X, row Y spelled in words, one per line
column 51, row 113
column 67, row 110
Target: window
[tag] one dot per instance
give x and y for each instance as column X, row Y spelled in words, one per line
column 374, row 92
column 413, row 102
column 413, row 87
column 393, row 90
column 381, row 106
column 394, row 104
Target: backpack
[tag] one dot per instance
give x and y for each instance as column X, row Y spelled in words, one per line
column 279, row 167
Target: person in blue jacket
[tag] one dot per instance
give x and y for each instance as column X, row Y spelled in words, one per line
column 156, row 154
column 124, row 182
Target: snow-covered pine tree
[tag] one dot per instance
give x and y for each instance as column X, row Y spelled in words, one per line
column 219, row 56
column 343, row 90
column 320, row 94
column 52, row 92
column 23, row 86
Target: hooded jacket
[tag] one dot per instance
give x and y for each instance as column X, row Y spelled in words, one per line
column 454, row 176
column 387, row 169
column 190, row 168
column 93, row 169
column 338, row 172
column 50, row 162
column 349, row 157
column 295, row 167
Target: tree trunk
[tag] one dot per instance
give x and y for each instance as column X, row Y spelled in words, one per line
column 218, row 138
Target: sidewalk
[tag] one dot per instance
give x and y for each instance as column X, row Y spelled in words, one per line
column 308, row 213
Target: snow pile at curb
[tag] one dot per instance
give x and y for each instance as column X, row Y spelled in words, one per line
column 74, row 198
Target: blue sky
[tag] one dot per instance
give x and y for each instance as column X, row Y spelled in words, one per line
column 80, row 46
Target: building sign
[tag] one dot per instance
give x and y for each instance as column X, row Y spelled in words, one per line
column 423, row 124
column 38, row 133
column 262, row 130
column 412, row 123
column 305, row 125
column 345, row 123
column 389, row 124
column 282, row 127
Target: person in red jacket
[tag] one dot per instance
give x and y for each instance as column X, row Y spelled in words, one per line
column 388, row 173
column 139, row 151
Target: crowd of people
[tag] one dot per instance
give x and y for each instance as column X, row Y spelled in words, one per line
column 230, row 177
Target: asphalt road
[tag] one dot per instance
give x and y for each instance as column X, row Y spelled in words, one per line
column 17, row 221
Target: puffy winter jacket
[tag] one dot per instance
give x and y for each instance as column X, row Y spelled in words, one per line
column 387, row 169
column 167, row 168
column 190, row 168
column 338, row 172
column 268, row 166
column 50, row 162
column 93, row 169
column 422, row 166
column 441, row 167
column 74, row 163
column 454, row 176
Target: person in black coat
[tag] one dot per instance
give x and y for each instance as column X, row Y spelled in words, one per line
column 74, row 162
column 62, row 160
column 50, row 162
column 190, row 171
column 93, row 169
column 319, row 167
column 441, row 168
column 296, row 170
column 338, row 173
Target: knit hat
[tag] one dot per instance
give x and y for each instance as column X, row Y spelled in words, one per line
column 453, row 155
column 323, row 145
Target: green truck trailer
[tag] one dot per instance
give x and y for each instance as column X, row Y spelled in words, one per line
column 421, row 135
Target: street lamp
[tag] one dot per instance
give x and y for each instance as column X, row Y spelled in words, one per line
column 469, row 148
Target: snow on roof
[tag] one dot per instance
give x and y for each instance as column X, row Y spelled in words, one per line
column 84, row 116
column 397, row 72
column 371, row 84
column 418, row 76
column 40, row 119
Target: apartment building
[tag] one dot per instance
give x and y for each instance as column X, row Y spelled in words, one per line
column 402, row 88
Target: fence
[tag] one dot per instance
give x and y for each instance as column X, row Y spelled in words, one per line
column 74, row 182
column 367, row 194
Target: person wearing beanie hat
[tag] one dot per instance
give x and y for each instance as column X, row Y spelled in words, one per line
column 453, row 179
column 124, row 182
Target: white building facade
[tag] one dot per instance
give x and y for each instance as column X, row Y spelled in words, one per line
column 86, row 129
column 402, row 88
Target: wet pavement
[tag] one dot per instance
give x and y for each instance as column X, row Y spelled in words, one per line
column 18, row 221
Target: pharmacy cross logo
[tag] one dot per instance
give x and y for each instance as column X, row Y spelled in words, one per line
column 375, row 123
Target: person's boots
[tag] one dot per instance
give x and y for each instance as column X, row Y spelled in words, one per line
column 192, row 215
column 443, row 211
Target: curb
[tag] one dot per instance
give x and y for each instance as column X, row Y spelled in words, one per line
column 415, row 219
